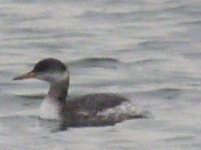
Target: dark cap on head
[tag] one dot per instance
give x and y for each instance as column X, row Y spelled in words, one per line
column 49, row 65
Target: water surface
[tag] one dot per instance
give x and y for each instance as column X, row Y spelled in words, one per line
column 148, row 51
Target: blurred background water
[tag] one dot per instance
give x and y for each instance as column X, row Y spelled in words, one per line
column 148, row 51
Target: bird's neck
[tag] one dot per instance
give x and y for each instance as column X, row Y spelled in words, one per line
column 53, row 106
column 59, row 90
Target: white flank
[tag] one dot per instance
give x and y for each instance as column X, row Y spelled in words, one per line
column 124, row 111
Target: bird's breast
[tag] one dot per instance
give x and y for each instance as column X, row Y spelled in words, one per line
column 50, row 109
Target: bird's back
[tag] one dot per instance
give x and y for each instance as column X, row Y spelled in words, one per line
column 100, row 109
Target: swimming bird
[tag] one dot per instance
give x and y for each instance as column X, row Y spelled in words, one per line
column 97, row 109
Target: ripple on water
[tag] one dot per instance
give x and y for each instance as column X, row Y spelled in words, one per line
column 104, row 62
column 167, row 93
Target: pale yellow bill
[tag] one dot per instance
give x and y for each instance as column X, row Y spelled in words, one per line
column 28, row 75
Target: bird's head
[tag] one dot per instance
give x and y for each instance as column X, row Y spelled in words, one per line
column 50, row 70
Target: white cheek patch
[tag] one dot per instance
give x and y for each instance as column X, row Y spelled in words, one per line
column 60, row 76
column 57, row 76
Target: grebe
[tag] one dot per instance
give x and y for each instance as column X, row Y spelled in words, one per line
column 97, row 109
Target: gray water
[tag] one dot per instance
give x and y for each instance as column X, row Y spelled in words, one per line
column 148, row 51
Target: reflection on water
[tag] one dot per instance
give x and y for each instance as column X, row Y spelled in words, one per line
column 148, row 51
